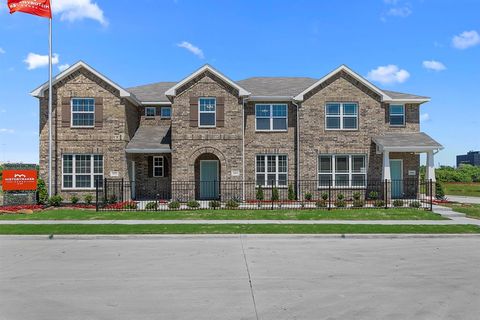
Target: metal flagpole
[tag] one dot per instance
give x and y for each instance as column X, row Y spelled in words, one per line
column 50, row 109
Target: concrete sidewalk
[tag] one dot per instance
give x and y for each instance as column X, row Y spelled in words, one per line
column 463, row 199
column 454, row 218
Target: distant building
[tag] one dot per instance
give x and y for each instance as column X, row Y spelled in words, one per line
column 472, row 157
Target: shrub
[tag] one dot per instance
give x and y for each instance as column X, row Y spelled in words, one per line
column 174, row 205
column 340, row 203
column 398, row 203
column 231, row 204
column 325, row 196
column 415, row 204
column 357, row 203
column 340, row 196
column 130, row 205
column 55, row 201
column 193, row 204
column 373, row 195
column 260, row 196
column 439, row 192
column 151, row 205
column 379, row 203
column 291, row 192
column 356, row 196
column 112, row 199
column 42, row 192
column 214, row 204
column 275, row 195
column 88, row 198
column 308, row 196
column 321, row 204
column 74, row 199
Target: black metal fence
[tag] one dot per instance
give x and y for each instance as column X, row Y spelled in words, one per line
column 306, row 194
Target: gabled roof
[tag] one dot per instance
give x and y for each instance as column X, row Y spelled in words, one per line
column 406, row 142
column 300, row 96
column 173, row 90
column 39, row 92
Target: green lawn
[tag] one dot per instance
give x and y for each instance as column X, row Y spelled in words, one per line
column 313, row 214
column 234, row 229
column 471, row 210
column 462, row 189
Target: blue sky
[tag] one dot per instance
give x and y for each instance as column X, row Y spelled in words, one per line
column 426, row 47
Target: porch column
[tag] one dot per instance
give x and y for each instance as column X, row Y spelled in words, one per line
column 430, row 174
column 386, row 166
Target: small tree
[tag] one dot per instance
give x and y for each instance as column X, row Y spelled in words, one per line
column 275, row 195
column 439, row 192
column 291, row 192
column 42, row 192
column 260, row 196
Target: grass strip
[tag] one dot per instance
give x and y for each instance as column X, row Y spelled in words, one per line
column 470, row 210
column 234, row 229
column 282, row 214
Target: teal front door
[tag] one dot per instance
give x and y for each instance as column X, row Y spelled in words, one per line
column 209, row 179
column 396, row 172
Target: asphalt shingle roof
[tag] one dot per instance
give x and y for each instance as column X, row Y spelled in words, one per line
column 399, row 95
column 150, row 139
column 154, row 92
column 410, row 139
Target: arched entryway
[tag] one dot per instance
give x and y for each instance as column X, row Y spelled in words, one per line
column 207, row 176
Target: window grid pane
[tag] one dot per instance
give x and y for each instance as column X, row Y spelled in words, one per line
column 341, row 116
column 150, row 112
column 349, row 170
column 271, row 169
column 271, row 117
column 83, row 112
column 78, row 173
column 166, row 112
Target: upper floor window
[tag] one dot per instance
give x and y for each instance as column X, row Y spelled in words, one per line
column 82, row 171
column 341, row 116
column 271, row 117
column 150, row 112
column 207, row 112
column 83, row 112
column 166, row 112
column 397, row 115
column 271, row 170
column 342, row 170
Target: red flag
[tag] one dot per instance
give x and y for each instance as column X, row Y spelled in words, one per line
column 36, row 7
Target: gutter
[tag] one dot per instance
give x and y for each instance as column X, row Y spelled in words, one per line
column 243, row 148
column 298, row 148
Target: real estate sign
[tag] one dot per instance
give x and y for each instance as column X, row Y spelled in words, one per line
column 19, row 180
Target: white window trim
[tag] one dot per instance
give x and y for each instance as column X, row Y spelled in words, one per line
column 161, row 113
column 350, row 170
column 390, row 115
column 71, row 112
column 200, row 112
column 154, row 112
column 341, row 115
column 266, row 173
column 271, row 117
column 73, row 174
column 162, row 166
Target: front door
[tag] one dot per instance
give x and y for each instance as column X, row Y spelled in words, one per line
column 209, row 179
column 396, row 172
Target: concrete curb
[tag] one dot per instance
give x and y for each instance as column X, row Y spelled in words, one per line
column 237, row 236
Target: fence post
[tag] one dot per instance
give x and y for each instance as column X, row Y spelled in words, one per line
column 386, row 193
column 329, row 194
column 122, row 191
column 431, row 194
column 96, row 194
column 105, row 190
column 271, row 192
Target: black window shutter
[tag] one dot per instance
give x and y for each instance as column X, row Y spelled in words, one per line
column 150, row 166
column 165, row 167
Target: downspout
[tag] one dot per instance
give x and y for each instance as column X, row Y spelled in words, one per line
column 243, row 149
column 298, row 149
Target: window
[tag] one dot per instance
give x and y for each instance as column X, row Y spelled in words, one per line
column 397, row 115
column 271, row 168
column 166, row 112
column 83, row 112
column 158, row 167
column 341, row 116
column 271, row 117
column 207, row 112
column 342, row 170
column 150, row 112
column 82, row 171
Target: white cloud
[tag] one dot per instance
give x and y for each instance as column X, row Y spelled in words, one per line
column 391, row 1
column 434, row 65
column 35, row 60
column 73, row 10
column 388, row 74
column 424, row 117
column 193, row 49
column 4, row 130
column 400, row 12
column 2, row 51
column 63, row 67
column 466, row 39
